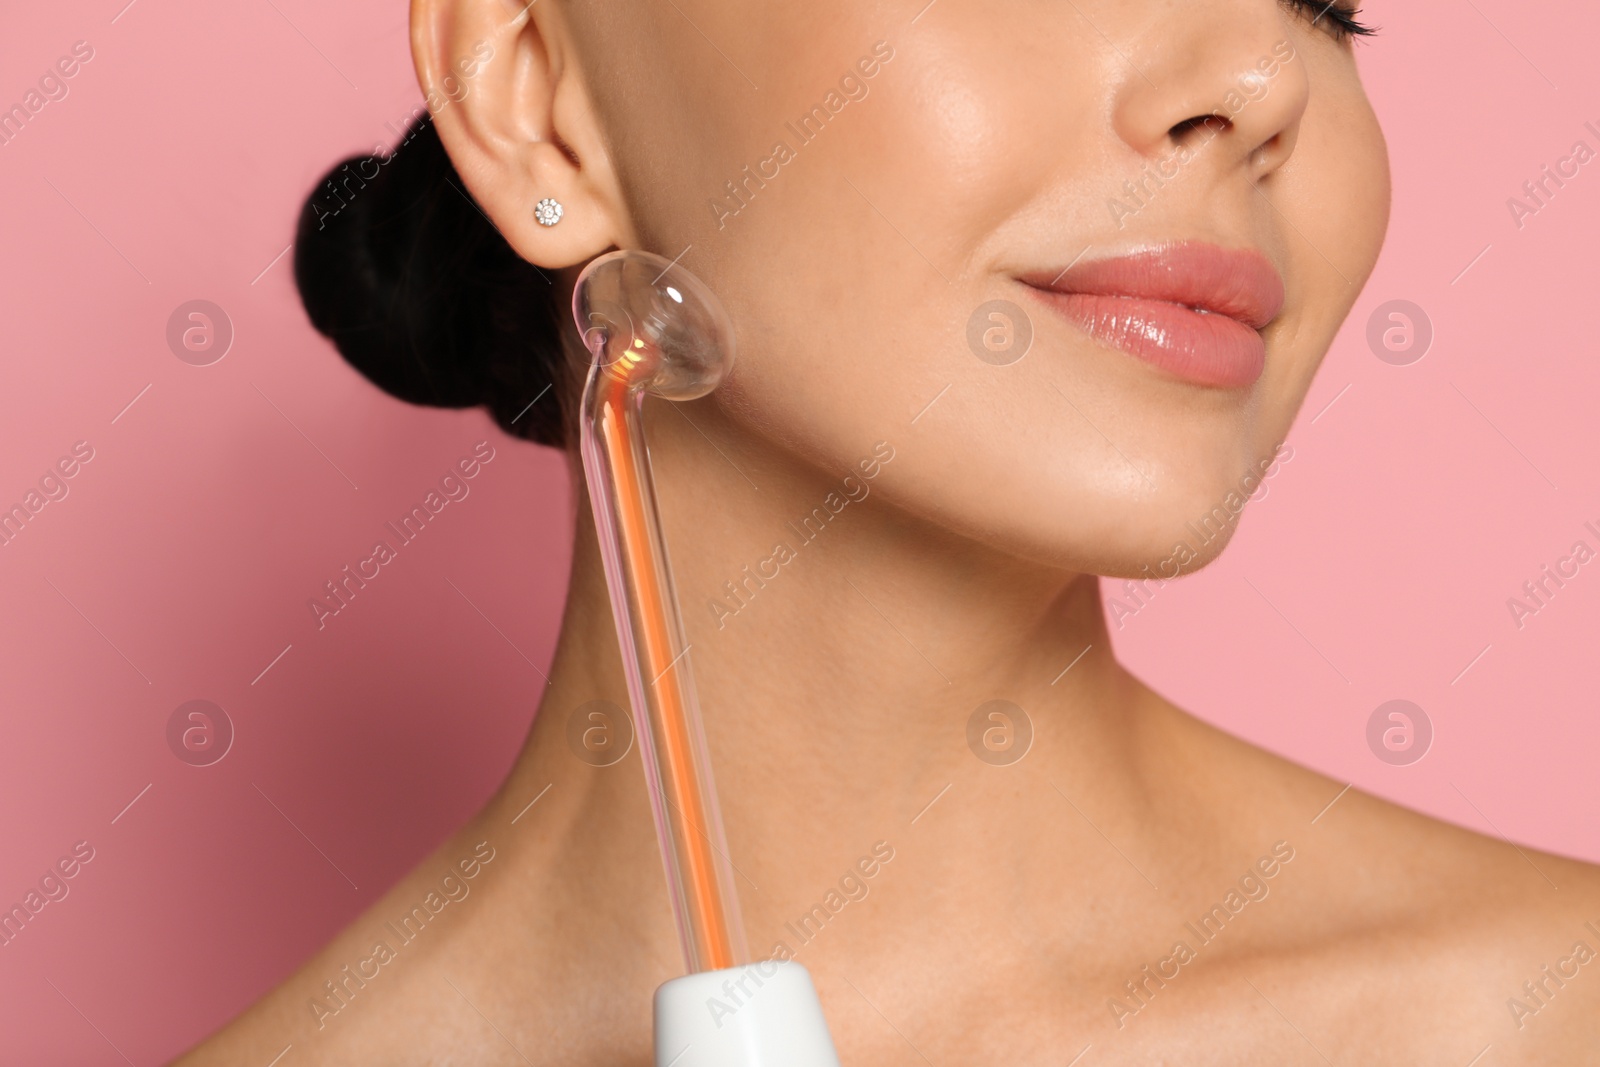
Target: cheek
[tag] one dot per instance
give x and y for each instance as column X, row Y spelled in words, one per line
column 1339, row 189
column 952, row 125
column 1337, row 197
column 850, row 276
column 967, row 134
column 1342, row 188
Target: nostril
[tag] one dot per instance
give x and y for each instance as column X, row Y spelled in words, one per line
column 1215, row 123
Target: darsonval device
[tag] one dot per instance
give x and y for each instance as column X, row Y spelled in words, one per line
column 654, row 329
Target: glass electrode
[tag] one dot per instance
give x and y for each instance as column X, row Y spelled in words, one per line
column 652, row 328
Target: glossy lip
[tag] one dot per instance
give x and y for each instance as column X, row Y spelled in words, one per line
column 1190, row 308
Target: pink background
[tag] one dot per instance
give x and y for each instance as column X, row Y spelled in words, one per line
column 179, row 565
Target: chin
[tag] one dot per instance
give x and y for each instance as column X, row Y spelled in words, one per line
column 1183, row 531
column 1079, row 521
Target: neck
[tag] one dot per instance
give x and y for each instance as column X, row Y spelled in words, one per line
column 840, row 650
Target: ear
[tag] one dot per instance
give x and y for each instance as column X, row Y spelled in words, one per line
column 502, row 84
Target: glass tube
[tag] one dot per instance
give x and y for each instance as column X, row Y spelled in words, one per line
column 653, row 329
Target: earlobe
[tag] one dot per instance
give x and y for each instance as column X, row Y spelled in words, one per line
column 499, row 80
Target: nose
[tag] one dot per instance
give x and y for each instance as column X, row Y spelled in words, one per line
column 1224, row 76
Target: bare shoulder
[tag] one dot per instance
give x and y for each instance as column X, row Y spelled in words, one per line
column 1403, row 930
column 460, row 961
column 1502, row 939
column 361, row 997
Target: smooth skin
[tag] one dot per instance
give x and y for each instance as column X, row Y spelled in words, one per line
column 1019, row 899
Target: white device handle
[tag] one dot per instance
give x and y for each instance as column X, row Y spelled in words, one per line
column 763, row 1014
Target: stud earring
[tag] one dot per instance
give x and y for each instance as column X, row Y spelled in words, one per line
column 548, row 211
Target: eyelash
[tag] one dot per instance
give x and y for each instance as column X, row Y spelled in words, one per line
column 1338, row 21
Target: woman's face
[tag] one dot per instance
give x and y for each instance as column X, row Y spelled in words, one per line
column 860, row 182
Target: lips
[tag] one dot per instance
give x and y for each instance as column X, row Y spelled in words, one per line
column 1192, row 309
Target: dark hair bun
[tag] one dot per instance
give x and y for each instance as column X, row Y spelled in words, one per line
column 398, row 266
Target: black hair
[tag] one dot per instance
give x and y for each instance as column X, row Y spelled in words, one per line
column 400, row 268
